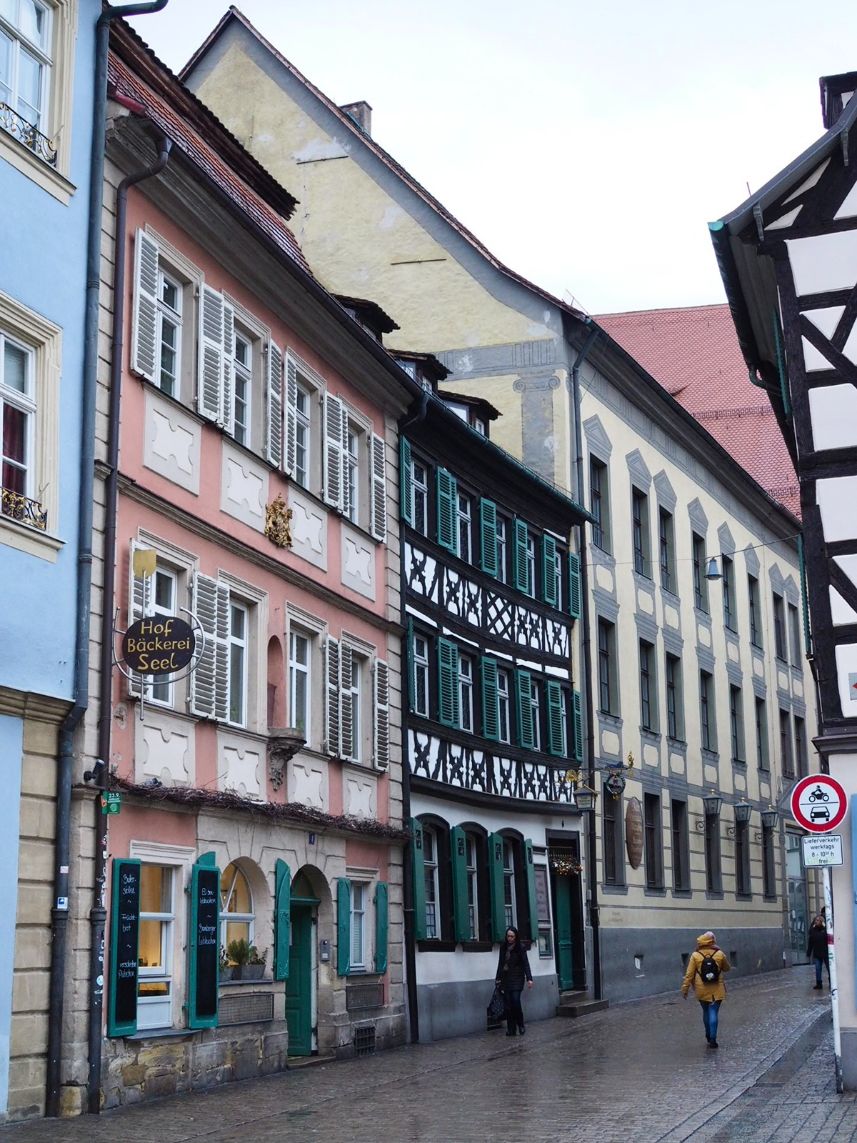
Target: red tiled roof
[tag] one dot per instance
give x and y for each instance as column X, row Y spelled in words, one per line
column 694, row 354
column 204, row 156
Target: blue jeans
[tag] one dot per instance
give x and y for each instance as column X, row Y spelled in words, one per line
column 710, row 1010
column 818, row 964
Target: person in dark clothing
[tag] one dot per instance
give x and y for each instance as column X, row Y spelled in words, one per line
column 817, row 949
column 513, row 971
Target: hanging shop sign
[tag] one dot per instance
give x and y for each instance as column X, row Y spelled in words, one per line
column 614, row 784
column 159, row 645
column 634, row 832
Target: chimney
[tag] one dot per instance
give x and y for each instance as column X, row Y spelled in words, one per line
column 361, row 113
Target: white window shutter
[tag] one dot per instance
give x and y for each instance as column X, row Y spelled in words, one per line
column 346, row 704
column 209, row 697
column 139, row 602
column 381, row 715
column 331, row 706
column 378, row 461
column 274, row 427
column 144, row 336
column 227, row 396
column 345, row 488
column 210, row 375
column 290, row 458
column 334, row 475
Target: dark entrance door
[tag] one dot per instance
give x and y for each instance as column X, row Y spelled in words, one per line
column 568, row 928
column 299, row 984
column 562, row 931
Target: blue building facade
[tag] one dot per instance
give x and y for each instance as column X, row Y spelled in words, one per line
column 47, row 50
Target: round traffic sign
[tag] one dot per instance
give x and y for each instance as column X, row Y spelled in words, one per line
column 819, row 803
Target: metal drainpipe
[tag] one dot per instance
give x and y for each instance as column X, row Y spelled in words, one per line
column 408, row 862
column 65, row 754
column 98, row 914
column 586, row 648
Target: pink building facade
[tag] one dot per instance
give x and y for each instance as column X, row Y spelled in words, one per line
column 252, row 879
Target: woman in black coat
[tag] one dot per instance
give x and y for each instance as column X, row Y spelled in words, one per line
column 817, row 948
column 513, row 971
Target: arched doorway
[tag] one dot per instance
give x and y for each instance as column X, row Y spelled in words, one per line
column 301, row 986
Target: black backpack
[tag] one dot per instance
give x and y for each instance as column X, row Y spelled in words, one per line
column 709, row 970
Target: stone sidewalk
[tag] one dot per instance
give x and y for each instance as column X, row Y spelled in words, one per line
column 639, row 1071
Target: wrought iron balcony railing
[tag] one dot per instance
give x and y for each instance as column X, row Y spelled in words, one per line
column 27, row 134
column 23, row 509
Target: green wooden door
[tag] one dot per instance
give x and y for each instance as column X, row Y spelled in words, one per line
column 299, row 983
column 563, row 922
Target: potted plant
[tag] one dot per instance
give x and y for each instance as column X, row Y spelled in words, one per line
column 239, row 955
column 255, row 966
column 225, row 966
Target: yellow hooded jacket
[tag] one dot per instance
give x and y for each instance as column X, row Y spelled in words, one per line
column 705, row 946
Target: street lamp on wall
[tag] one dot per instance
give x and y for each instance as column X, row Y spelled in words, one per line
column 742, row 812
column 712, row 803
column 770, row 817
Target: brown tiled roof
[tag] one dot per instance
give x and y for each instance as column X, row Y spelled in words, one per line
column 170, row 117
column 694, row 354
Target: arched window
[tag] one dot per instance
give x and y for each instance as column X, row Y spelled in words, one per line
column 236, row 907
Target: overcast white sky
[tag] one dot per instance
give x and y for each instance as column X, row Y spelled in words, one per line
column 587, row 144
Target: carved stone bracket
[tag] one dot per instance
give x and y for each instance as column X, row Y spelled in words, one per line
column 283, row 745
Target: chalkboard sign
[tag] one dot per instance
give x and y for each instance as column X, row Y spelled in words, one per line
column 204, row 944
column 124, row 947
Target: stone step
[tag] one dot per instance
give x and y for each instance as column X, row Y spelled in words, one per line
column 579, row 1004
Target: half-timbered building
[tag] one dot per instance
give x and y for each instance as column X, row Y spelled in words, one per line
column 493, row 724
column 788, row 257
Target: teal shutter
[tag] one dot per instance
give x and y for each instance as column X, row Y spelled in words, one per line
column 124, row 948
column 447, row 510
column 204, row 943
column 495, row 882
column 573, row 585
column 488, row 535
column 343, row 926
column 419, row 885
column 556, row 720
column 577, row 714
column 282, row 919
column 531, row 890
column 549, row 571
column 461, row 909
column 447, row 671
column 381, row 925
column 519, row 557
column 406, row 486
column 523, row 693
column 490, row 702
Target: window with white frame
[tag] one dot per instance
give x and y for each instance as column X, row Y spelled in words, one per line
column 164, row 603
column 357, row 702
column 465, row 692
column 472, row 871
column 242, row 388
column 359, row 894
column 237, row 658
column 502, row 549
column 25, row 60
column 535, row 707
column 509, row 895
column 356, row 691
column 156, row 946
column 169, row 327
column 300, row 680
column 420, row 659
column 531, row 563
column 504, row 708
column 224, row 684
column 303, row 436
column 30, row 354
column 432, row 888
column 236, row 907
column 465, row 527
column 352, row 469
column 419, row 491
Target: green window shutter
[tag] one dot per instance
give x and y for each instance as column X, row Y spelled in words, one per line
column 495, row 882
column 282, row 919
column 447, row 510
column 461, row 910
column 447, row 670
column 577, row 715
column 574, row 585
column 519, row 557
column 488, row 535
column 203, row 943
column 381, row 925
column 549, row 571
column 343, row 926
column 490, row 705
column 406, row 488
column 523, row 694
column 419, row 886
column 531, row 890
column 124, row 948
column 556, row 736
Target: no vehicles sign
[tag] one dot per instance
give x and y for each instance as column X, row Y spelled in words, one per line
column 819, row 803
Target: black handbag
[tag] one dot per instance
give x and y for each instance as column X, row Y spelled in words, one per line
column 497, row 1005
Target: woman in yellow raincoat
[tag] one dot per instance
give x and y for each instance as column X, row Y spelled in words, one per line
column 709, row 992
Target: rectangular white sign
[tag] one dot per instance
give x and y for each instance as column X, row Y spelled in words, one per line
column 822, row 849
